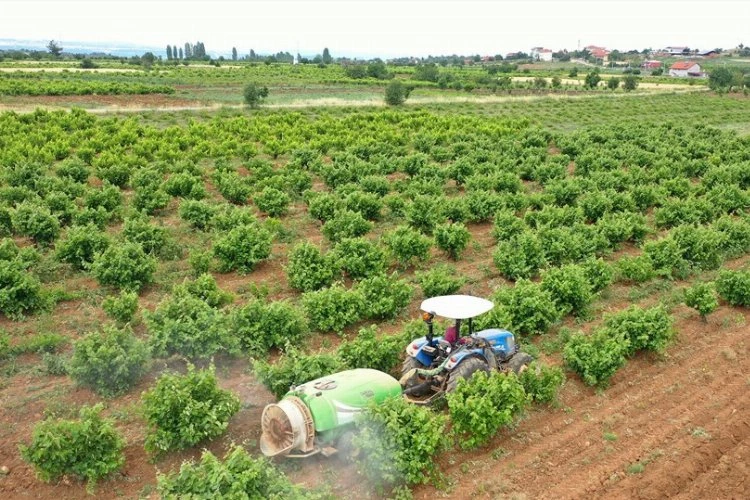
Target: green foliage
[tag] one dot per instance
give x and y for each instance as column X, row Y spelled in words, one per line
column 408, row 245
column 507, row 225
column 424, row 213
column 367, row 204
column 204, row 287
column 359, row 258
column 200, row 261
column 636, row 269
column 443, row 279
column 234, row 188
column 598, row 273
column 569, row 288
column 261, row 326
column 643, row 328
column 480, row 406
column 39, row 343
column 308, row 269
column 80, row 245
column 525, row 309
column 183, row 410
column 734, row 287
column 197, row 213
column 396, row 93
column 125, row 266
column 121, row 308
column 89, row 448
column 346, row 224
column 323, row 206
column 592, row 79
column 20, row 291
column 367, row 350
column 630, row 82
column 294, row 368
column 139, row 230
column 36, row 222
column 254, row 94
column 399, row 441
column 519, row 257
column 702, row 297
column 542, row 382
column 186, row 324
column 334, row 308
column 239, row 475
column 452, row 238
column 596, row 357
column 242, row 248
column 109, row 361
column 384, row 297
column 4, row 345
column 272, row 201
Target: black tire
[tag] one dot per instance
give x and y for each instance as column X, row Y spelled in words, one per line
column 465, row 370
column 409, row 364
column 519, row 362
column 345, row 449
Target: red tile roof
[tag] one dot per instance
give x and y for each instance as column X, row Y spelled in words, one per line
column 683, row 65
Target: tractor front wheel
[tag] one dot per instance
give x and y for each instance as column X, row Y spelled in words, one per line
column 465, row 370
column 519, row 362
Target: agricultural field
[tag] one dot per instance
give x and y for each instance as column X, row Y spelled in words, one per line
column 155, row 257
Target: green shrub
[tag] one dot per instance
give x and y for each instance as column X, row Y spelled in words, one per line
column 519, row 257
column 424, row 213
column 599, row 273
column 189, row 326
column 54, row 364
column 200, row 261
column 89, row 448
column 569, row 288
column 346, row 224
column 197, row 213
column 399, row 442
column 384, row 297
column 359, row 258
column 204, row 287
column 109, row 361
column 367, row 350
column 73, row 168
column 242, row 248
column 525, row 309
column 228, row 217
column 323, row 206
column 507, row 225
column 666, row 257
column 408, row 245
column 151, row 238
column 635, row 269
column 443, row 279
column 4, row 345
column 452, row 238
column 232, row 187
column 308, row 269
column 150, row 198
column 36, row 222
column 596, row 357
column 20, row 291
column 121, row 308
column 185, row 185
column 183, row 410
column 702, row 297
column 239, row 475
column 260, row 326
column 295, row 368
column 39, row 343
column 80, row 245
column 644, row 328
column 272, row 201
column 542, row 382
column 480, row 406
column 734, row 287
column 483, row 205
column 367, row 204
column 125, row 266
column 333, row 308
column 701, row 246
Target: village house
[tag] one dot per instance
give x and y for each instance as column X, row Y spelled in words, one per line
column 598, row 52
column 652, row 64
column 685, row 69
column 541, row 54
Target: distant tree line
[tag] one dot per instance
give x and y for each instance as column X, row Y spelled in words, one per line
column 195, row 51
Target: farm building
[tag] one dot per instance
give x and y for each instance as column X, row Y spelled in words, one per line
column 709, row 53
column 685, row 68
column 541, row 54
column 675, row 51
column 653, row 64
column 598, row 52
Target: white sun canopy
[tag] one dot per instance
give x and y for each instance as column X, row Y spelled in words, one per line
column 456, row 306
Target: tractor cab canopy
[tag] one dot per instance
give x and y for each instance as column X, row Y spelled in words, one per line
column 456, row 306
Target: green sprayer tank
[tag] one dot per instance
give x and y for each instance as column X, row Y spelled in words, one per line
column 312, row 417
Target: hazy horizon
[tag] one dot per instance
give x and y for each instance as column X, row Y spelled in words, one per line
column 386, row 28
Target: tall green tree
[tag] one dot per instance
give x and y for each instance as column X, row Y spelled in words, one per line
column 234, row 53
column 181, row 56
column 188, row 50
column 54, row 48
column 327, row 59
column 169, row 52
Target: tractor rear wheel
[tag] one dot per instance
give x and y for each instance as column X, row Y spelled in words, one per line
column 465, row 370
column 409, row 364
column 520, row 362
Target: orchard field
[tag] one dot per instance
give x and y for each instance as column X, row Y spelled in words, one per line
column 267, row 247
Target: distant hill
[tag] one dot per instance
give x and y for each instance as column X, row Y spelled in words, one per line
column 74, row 47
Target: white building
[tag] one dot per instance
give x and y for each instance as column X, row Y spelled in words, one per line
column 541, row 54
column 685, row 68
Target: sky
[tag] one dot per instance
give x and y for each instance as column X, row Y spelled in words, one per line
column 385, row 28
